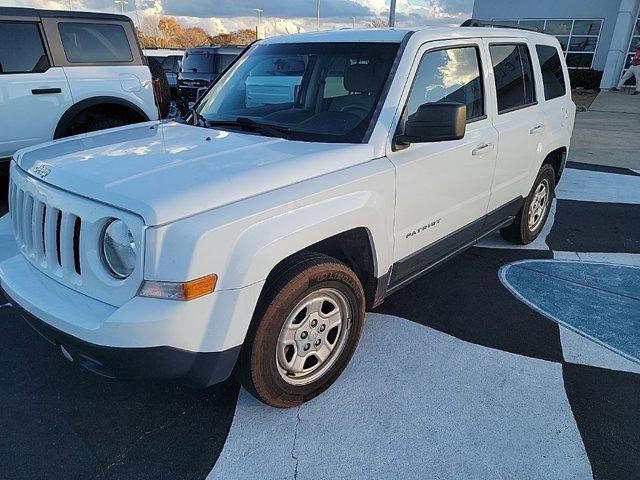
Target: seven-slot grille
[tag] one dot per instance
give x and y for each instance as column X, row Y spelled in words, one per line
column 46, row 234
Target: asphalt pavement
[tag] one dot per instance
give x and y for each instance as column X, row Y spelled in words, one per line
column 462, row 374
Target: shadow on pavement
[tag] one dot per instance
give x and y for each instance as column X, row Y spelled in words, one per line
column 61, row 422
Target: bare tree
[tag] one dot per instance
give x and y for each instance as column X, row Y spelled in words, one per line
column 377, row 23
column 166, row 32
column 239, row 37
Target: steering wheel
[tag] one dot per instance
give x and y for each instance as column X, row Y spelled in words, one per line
column 353, row 108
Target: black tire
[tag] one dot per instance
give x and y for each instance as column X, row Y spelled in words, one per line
column 158, row 73
column 304, row 275
column 520, row 232
column 93, row 122
column 103, row 122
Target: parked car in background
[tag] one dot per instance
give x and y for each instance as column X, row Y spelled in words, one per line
column 64, row 73
column 252, row 237
column 275, row 81
column 200, row 67
column 170, row 60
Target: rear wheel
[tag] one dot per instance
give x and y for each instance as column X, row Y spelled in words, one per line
column 305, row 331
column 534, row 213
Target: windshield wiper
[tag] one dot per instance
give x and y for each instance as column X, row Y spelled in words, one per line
column 248, row 123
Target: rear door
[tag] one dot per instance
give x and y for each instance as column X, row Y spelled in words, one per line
column 557, row 109
column 519, row 121
column 443, row 188
column 33, row 95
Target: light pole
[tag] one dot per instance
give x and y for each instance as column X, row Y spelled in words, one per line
column 259, row 30
column 70, row 4
column 318, row 15
column 122, row 3
column 392, row 14
column 353, row 19
column 135, row 12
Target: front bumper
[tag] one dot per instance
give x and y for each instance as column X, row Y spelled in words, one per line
column 200, row 369
column 143, row 338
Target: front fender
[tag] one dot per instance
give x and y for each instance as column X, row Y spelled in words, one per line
column 265, row 244
column 242, row 242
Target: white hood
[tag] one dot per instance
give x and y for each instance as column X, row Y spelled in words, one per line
column 167, row 171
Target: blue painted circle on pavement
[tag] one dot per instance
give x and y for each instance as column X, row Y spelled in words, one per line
column 598, row 300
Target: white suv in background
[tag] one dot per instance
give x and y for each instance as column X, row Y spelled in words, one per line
column 64, row 73
column 253, row 238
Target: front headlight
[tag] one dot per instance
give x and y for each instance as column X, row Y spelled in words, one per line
column 118, row 249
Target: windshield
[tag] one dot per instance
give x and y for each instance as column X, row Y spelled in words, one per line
column 325, row 92
column 198, row 62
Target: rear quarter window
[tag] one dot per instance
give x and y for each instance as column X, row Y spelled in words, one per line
column 552, row 73
column 21, row 49
column 95, row 43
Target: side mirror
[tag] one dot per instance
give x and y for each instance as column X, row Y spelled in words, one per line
column 201, row 92
column 435, row 122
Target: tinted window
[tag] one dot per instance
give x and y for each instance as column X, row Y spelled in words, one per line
column 21, row 49
column 552, row 74
column 94, row 43
column 224, row 61
column 199, row 61
column 451, row 75
column 169, row 64
column 513, row 76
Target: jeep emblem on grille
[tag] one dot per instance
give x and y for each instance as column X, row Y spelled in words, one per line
column 41, row 170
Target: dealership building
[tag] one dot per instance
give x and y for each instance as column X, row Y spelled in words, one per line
column 594, row 34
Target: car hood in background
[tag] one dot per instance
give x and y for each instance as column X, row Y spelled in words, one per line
column 165, row 171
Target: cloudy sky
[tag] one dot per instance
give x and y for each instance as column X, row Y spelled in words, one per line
column 280, row 16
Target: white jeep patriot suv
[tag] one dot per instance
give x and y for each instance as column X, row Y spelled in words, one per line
column 64, row 73
column 253, row 238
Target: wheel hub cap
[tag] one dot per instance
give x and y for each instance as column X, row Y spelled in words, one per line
column 313, row 336
column 538, row 206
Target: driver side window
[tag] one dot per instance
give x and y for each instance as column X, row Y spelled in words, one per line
column 449, row 75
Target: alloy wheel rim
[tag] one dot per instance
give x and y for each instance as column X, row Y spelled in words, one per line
column 313, row 336
column 538, row 206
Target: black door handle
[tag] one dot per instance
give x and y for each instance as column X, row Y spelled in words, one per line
column 44, row 91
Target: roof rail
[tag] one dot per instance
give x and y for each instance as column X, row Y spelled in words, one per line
column 472, row 22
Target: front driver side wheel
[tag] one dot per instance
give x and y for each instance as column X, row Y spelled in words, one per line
column 304, row 332
column 534, row 213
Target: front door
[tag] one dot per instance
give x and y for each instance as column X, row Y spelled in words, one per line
column 443, row 188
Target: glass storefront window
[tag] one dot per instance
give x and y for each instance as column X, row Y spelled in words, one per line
column 583, row 44
column 579, row 60
column 558, row 27
column 586, row 27
column 536, row 24
column 564, row 42
column 578, row 37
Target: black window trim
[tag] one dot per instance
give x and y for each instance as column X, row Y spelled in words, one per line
column 45, row 45
column 564, row 77
column 533, row 80
column 477, row 47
